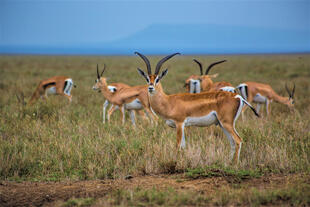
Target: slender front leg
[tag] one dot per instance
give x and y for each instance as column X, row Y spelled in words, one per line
column 154, row 117
column 132, row 117
column 180, row 135
column 122, row 110
column 110, row 111
column 267, row 107
column 142, row 115
column 235, row 141
column 105, row 105
column 258, row 108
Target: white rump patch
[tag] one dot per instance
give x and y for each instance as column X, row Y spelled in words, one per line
column 258, row 98
column 194, row 86
column 241, row 88
column 134, row 105
column 68, row 86
column 112, row 89
column 228, row 89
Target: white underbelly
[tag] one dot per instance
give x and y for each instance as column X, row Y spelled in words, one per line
column 206, row 120
column 134, row 105
column 51, row 91
column 201, row 121
column 259, row 98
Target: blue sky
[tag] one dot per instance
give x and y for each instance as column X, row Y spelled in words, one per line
column 83, row 27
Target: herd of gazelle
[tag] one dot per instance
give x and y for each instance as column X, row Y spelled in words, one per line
column 207, row 103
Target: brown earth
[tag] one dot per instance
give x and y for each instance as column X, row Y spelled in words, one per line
column 47, row 193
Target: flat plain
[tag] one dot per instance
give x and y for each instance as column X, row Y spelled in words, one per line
column 59, row 154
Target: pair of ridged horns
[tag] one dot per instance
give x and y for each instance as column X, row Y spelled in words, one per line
column 98, row 76
column 288, row 91
column 210, row 66
column 159, row 64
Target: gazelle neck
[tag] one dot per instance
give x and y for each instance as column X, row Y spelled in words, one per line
column 105, row 90
column 281, row 99
column 159, row 101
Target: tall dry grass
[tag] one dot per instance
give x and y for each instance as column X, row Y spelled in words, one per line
column 55, row 140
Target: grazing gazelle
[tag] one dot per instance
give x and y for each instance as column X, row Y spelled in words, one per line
column 261, row 93
column 194, row 109
column 57, row 85
column 125, row 97
column 203, row 83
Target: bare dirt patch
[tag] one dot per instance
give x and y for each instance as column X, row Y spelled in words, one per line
column 46, row 193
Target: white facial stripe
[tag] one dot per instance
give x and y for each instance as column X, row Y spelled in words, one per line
column 156, row 80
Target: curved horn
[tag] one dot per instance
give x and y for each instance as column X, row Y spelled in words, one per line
column 200, row 66
column 103, row 69
column 98, row 76
column 159, row 64
column 213, row 64
column 147, row 62
column 288, row 91
column 293, row 92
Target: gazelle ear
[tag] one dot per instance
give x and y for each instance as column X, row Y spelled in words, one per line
column 144, row 75
column 213, row 75
column 163, row 74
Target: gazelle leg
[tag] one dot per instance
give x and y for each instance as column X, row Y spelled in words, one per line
column 132, row 117
column 122, row 110
column 105, row 105
column 267, row 107
column 111, row 110
column 235, row 141
column 180, row 135
column 142, row 114
column 258, row 108
column 69, row 97
column 154, row 118
column 242, row 113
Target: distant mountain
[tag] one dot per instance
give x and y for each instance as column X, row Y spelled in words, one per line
column 190, row 39
column 202, row 38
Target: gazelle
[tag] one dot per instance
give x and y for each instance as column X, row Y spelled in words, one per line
column 123, row 97
column 131, row 107
column 203, row 83
column 261, row 93
column 194, row 109
column 57, row 85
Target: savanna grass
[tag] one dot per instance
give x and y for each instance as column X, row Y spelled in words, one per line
column 54, row 140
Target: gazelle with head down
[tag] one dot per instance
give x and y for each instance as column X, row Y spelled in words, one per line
column 203, row 82
column 261, row 93
column 123, row 97
column 57, row 85
column 199, row 109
